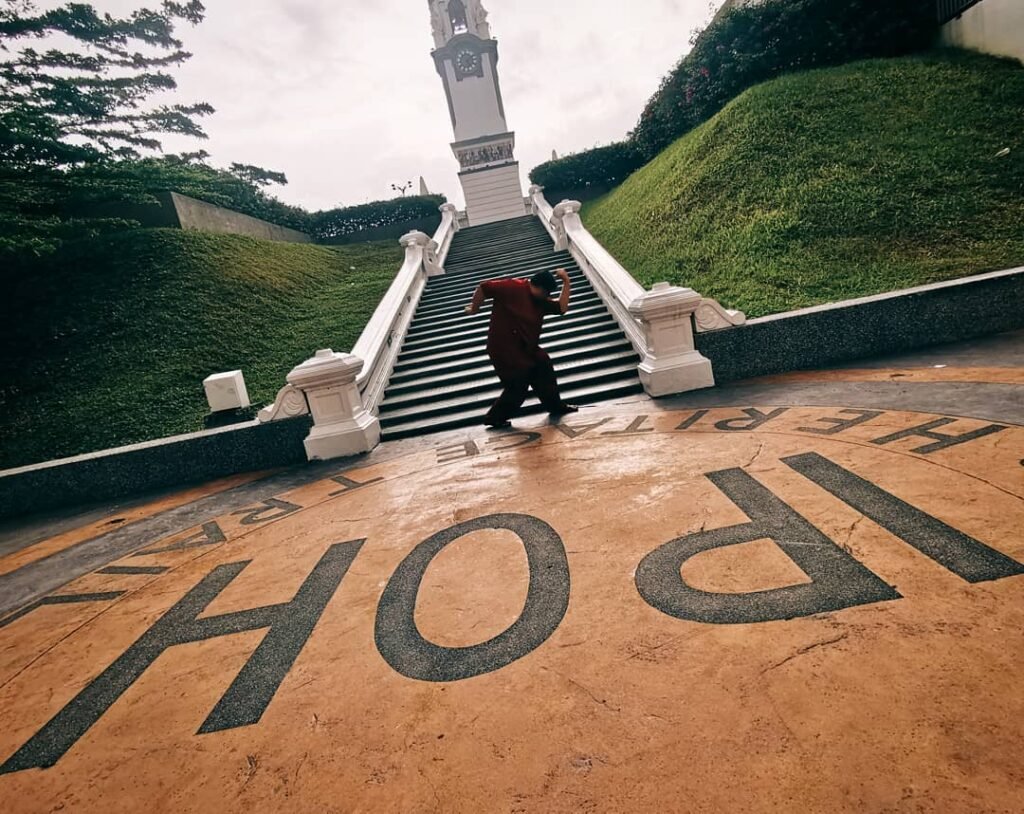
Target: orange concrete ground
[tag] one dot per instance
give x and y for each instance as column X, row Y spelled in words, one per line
column 768, row 608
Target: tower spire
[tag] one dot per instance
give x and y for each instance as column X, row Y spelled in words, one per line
column 449, row 18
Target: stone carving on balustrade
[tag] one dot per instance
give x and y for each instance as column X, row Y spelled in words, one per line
column 487, row 154
column 290, row 403
column 711, row 316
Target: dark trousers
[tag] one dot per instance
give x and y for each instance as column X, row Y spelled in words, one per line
column 540, row 378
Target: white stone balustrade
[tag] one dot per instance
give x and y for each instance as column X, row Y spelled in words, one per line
column 342, row 425
column 659, row 323
column 382, row 337
column 290, row 403
column 343, row 391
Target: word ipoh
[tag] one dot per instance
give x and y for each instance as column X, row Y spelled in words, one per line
column 836, row 581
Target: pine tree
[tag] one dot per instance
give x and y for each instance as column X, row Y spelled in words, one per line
column 85, row 97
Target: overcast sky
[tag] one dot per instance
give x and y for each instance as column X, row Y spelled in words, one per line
column 342, row 96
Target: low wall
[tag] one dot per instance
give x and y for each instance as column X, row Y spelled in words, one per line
column 204, row 217
column 867, row 327
column 176, row 211
column 141, row 468
column 993, row 26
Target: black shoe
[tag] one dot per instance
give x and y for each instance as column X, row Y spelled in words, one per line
column 564, row 408
column 503, row 425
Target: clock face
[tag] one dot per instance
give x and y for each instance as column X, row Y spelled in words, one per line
column 467, row 62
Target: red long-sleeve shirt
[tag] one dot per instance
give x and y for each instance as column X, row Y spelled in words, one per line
column 513, row 340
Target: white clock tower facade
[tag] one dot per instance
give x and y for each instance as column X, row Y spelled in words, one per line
column 467, row 59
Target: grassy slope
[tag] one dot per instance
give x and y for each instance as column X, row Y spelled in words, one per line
column 112, row 338
column 833, row 184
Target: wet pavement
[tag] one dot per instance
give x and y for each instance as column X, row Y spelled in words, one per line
column 802, row 593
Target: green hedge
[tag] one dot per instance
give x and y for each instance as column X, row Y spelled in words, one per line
column 337, row 223
column 743, row 47
column 602, row 167
column 748, row 45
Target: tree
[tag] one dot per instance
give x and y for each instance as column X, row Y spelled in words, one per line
column 257, row 176
column 87, row 101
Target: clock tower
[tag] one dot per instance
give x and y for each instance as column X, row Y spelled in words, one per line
column 467, row 59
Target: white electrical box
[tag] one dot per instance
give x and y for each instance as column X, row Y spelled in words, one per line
column 226, row 391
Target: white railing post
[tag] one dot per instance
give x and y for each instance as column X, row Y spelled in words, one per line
column 342, row 425
column 437, row 252
column 671, row 363
column 558, row 216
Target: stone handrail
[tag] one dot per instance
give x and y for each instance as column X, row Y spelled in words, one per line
column 381, row 340
column 443, row 237
column 613, row 283
column 659, row 323
column 541, row 209
column 363, row 374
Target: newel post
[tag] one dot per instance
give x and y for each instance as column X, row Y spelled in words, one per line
column 533, row 192
column 453, row 210
column 341, row 424
column 672, row 364
column 558, row 216
column 420, row 248
column 432, row 251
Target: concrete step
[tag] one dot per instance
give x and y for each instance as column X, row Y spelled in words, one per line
column 583, row 394
column 472, row 279
column 488, row 264
column 437, row 293
column 478, row 323
column 484, row 379
column 459, row 253
column 432, row 375
column 477, row 354
column 455, row 305
column 554, row 327
column 482, row 399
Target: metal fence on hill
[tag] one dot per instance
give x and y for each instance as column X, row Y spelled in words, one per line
column 951, row 9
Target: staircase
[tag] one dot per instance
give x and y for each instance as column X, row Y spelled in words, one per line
column 443, row 378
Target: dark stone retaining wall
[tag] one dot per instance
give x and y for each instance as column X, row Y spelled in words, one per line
column 141, row 468
column 868, row 327
column 814, row 337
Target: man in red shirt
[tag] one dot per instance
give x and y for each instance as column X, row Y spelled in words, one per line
column 513, row 341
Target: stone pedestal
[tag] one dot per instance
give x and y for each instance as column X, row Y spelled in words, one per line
column 342, row 425
column 226, row 391
column 672, row 363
